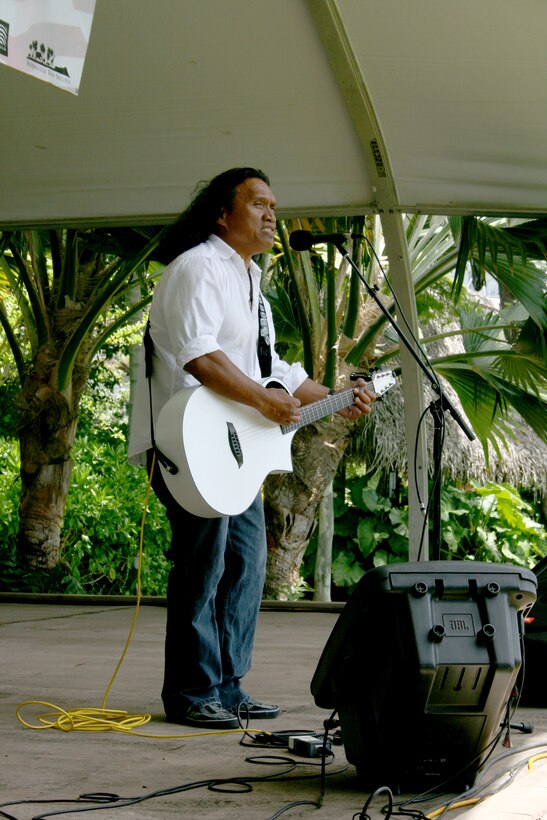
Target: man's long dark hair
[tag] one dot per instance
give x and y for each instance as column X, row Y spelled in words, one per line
column 199, row 220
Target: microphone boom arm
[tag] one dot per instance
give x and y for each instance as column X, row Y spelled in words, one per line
column 446, row 404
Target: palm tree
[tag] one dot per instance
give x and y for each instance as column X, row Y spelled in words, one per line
column 323, row 320
column 67, row 295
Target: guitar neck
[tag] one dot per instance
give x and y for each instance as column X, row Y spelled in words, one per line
column 319, row 409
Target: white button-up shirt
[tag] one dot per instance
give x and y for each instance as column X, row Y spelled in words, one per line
column 206, row 300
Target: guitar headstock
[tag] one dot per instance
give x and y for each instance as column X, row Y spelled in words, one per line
column 380, row 381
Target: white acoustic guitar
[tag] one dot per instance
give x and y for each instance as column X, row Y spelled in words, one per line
column 219, row 451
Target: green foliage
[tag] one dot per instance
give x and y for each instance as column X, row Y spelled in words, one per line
column 370, row 530
column 101, row 531
column 103, row 406
column 508, row 254
column 8, row 406
column 10, row 490
column 491, row 523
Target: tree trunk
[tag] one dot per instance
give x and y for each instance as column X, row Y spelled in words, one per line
column 323, row 560
column 41, row 512
column 291, row 501
column 46, row 434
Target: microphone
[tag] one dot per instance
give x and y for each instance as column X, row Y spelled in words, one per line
column 304, row 240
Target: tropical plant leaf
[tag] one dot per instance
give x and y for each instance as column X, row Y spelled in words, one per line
column 532, row 408
column 508, row 254
column 487, row 401
column 527, row 283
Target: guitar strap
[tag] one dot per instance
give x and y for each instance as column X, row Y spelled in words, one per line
column 148, row 367
column 264, row 349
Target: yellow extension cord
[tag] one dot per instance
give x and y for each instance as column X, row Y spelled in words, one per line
column 474, row 800
column 103, row 719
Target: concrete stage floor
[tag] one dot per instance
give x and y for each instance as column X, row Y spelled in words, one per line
column 66, row 653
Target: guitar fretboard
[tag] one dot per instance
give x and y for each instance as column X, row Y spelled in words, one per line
column 319, row 409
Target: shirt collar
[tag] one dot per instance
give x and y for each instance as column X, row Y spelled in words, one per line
column 222, row 248
column 226, row 251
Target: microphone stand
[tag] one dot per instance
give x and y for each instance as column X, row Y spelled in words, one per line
column 436, row 408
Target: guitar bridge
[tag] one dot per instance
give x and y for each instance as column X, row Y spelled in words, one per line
column 235, row 446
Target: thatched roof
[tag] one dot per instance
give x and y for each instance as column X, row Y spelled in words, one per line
column 523, row 463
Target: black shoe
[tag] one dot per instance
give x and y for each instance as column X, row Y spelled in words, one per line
column 208, row 715
column 251, row 708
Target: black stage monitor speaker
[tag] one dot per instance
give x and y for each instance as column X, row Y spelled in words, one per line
column 421, row 665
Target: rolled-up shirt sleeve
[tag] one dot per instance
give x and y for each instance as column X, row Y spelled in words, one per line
column 292, row 375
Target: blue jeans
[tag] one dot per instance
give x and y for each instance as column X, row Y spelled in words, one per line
column 213, row 600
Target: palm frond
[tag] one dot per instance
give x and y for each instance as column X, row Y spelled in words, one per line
column 485, row 409
column 508, row 254
column 533, row 234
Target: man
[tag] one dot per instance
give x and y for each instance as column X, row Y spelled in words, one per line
column 204, row 326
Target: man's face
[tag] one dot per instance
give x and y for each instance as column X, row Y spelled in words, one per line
column 249, row 226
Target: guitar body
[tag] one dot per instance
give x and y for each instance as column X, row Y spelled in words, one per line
column 223, row 451
column 220, row 451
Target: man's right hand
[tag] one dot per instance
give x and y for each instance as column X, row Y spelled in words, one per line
column 218, row 373
column 279, row 406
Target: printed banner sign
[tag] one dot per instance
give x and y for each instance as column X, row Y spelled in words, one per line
column 46, row 38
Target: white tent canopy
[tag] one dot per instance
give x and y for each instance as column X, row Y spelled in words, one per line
column 447, row 99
